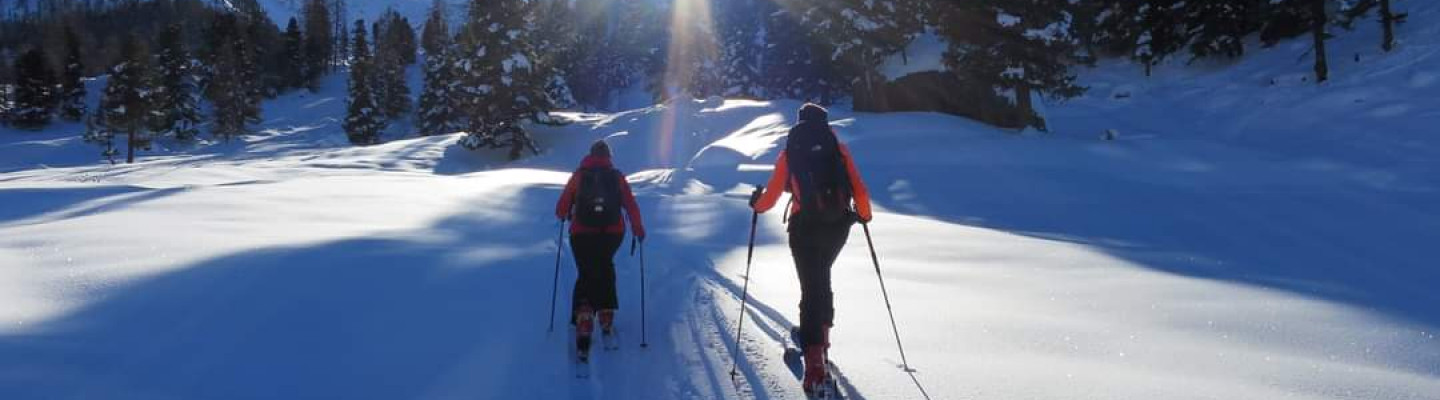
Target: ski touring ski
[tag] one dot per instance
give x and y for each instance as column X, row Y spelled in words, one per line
column 610, row 340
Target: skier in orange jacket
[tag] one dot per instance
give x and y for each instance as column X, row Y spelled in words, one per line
column 828, row 196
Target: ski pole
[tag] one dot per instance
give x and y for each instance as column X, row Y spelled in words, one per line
column 643, row 343
column 555, row 287
column 905, row 363
column 744, row 296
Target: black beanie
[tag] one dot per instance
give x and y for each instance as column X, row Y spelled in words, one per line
column 813, row 112
column 600, row 149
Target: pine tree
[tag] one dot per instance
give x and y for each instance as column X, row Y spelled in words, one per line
column 1161, row 33
column 319, row 42
column 437, row 113
column 1019, row 46
column 363, row 118
column 555, row 42
column 501, row 86
column 251, row 48
column 436, row 34
column 797, row 66
column 388, row 66
column 177, row 109
column 1318, row 21
column 227, row 89
column 1388, row 19
column 126, row 102
column 1218, row 27
column 35, row 90
column 404, row 40
column 740, row 26
column 1352, row 10
column 861, row 33
column 613, row 42
column 293, row 69
column 5, row 104
column 72, row 83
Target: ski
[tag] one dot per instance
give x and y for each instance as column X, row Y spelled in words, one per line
column 610, row 341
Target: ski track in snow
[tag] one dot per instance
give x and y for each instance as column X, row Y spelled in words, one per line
column 1193, row 258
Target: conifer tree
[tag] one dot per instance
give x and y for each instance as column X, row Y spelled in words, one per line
column 388, row 66
column 127, row 102
column 72, row 82
column 363, row 117
column 35, row 90
column 319, row 41
column 293, row 68
column 437, row 113
column 797, row 66
column 1019, row 46
column 177, row 110
column 860, row 33
column 227, row 90
column 436, row 33
column 1161, row 32
column 501, row 86
column 740, row 26
column 1218, row 27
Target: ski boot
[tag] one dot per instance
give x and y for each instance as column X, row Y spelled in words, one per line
column 584, row 327
column 607, row 330
column 814, row 382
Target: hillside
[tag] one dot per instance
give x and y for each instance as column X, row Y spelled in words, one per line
column 1247, row 236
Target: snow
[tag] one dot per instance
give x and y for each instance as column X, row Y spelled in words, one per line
column 1007, row 20
column 1242, row 239
column 924, row 54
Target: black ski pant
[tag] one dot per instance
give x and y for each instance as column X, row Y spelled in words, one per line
column 595, row 262
column 815, row 246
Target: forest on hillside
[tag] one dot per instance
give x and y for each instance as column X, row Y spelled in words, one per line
column 176, row 69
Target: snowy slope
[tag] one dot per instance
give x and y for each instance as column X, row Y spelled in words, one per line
column 1019, row 267
column 1197, row 257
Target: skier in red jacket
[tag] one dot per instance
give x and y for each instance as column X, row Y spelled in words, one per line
column 593, row 200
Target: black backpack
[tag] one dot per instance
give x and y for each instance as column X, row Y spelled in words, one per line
column 818, row 169
column 597, row 202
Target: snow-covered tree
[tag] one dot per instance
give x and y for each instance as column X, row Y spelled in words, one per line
column 253, row 45
column 1352, row 10
column 35, row 90
column 319, row 41
column 436, row 32
column 1017, row 46
column 1146, row 31
column 72, row 81
column 388, row 64
column 555, row 43
column 860, row 34
column 177, row 109
column 227, row 89
column 292, row 70
column 740, row 25
column 1287, row 18
column 437, row 112
column 501, row 85
column 1218, row 27
column 363, row 118
column 613, row 47
column 795, row 66
column 127, row 101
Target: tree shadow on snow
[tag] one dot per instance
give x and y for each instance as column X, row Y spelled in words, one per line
column 457, row 310
column 41, row 205
column 1343, row 244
